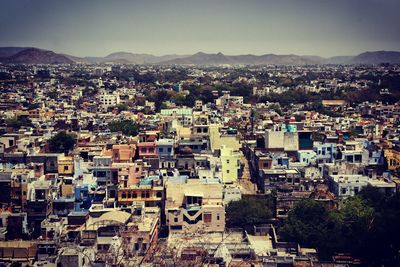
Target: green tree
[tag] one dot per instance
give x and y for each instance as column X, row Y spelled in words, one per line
column 357, row 222
column 61, row 143
column 383, row 235
column 52, row 94
column 248, row 212
column 312, row 224
column 365, row 226
column 122, row 107
column 18, row 122
column 127, row 127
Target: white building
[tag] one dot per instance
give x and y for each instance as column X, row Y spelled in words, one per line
column 347, row 185
column 109, row 100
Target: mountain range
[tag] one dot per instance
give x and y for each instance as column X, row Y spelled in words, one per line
column 31, row 55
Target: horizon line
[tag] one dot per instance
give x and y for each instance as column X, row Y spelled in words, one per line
column 191, row 54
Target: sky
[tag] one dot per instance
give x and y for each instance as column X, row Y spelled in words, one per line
column 303, row 27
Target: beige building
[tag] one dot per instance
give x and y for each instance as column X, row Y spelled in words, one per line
column 217, row 139
column 230, row 165
column 66, row 166
column 193, row 206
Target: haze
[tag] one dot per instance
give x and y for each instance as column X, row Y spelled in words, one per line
column 97, row 28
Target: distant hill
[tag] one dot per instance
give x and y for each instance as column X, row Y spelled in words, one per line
column 37, row 56
column 338, row 60
column 10, row 51
column 201, row 59
column 215, row 59
column 77, row 59
column 29, row 55
column 377, row 57
column 125, row 58
column 272, row 59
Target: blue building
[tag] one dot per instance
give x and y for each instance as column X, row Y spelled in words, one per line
column 165, row 147
column 326, row 152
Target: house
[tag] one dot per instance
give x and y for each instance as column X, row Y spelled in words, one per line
column 346, row 185
column 230, row 165
column 192, row 205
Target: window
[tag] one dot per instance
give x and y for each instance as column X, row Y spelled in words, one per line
column 169, row 149
column 175, row 219
column 159, row 194
column 160, row 150
column 65, row 168
column 134, row 195
column 193, row 200
column 227, row 161
column 207, row 217
column 227, row 171
column 123, row 195
column 217, row 217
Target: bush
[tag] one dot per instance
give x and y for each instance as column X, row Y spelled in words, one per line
column 365, row 226
column 248, row 212
column 127, row 127
column 61, row 143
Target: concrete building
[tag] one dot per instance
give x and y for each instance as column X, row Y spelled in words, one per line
column 230, row 163
column 193, row 206
column 344, row 186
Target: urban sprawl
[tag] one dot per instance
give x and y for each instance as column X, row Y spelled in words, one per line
column 134, row 165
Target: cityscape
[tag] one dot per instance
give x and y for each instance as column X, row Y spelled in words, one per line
column 126, row 143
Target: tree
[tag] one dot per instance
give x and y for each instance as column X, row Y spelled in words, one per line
column 122, row 107
column 373, row 197
column 357, row 220
column 383, row 236
column 248, row 212
column 365, row 226
column 18, row 122
column 127, row 127
column 52, row 94
column 61, row 143
column 312, row 224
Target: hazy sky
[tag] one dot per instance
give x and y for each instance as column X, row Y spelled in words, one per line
column 99, row 27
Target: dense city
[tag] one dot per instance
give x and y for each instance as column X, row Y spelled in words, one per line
column 146, row 165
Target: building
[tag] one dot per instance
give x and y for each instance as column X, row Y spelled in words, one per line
column 192, row 205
